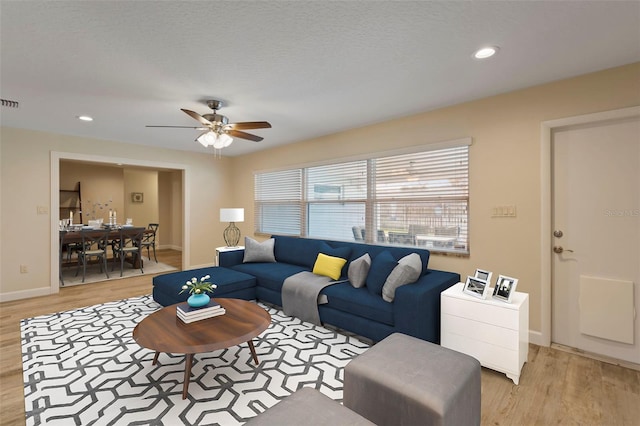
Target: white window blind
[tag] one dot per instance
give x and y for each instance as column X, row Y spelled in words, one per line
column 335, row 198
column 422, row 199
column 278, row 207
column 415, row 199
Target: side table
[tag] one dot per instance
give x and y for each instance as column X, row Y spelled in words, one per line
column 494, row 332
column 224, row 249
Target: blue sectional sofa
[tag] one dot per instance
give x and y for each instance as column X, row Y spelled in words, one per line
column 414, row 311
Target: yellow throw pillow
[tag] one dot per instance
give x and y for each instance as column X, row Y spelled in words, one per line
column 329, row 266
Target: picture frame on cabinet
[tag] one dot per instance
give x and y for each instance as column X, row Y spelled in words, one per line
column 505, row 287
column 483, row 275
column 476, row 287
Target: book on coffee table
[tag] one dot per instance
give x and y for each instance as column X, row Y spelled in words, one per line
column 200, row 316
column 186, row 309
column 190, row 314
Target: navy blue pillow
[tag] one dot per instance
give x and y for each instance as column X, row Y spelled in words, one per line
column 342, row 252
column 381, row 267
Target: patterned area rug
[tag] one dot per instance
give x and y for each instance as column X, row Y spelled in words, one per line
column 83, row 367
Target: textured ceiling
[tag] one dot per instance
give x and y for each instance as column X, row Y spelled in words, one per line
column 311, row 68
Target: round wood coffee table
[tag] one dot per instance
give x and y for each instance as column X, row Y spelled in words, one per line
column 163, row 331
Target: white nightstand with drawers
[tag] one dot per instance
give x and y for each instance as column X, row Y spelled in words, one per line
column 494, row 332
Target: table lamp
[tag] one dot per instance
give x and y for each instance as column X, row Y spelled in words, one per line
column 232, row 233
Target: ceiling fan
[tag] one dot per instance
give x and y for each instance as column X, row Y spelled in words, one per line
column 217, row 131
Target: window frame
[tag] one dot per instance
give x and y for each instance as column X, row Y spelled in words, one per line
column 371, row 201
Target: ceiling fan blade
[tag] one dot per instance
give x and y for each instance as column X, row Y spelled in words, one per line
column 246, row 125
column 244, row 135
column 182, row 127
column 197, row 116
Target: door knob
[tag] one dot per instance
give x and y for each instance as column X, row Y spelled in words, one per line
column 559, row 249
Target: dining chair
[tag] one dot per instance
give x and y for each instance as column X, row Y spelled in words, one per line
column 128, row 243
column 71, row 247
column 94, row 244
column 149, row 239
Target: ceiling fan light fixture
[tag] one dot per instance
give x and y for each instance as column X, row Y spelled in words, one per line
column 216, row 129
column 218, row 144
column 225, row 139
column 207, row 139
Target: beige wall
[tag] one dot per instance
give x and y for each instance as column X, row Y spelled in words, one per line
column 145, row 182
column 25, row 185
column 101, row 188
column 504, row 166
column 170, row 210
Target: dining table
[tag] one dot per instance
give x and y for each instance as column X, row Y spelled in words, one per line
column 74, row 236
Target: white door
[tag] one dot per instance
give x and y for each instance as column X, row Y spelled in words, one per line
column 596, row 225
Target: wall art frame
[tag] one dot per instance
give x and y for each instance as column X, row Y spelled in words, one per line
column 137, row 197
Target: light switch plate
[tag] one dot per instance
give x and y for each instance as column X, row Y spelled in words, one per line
column 503, row 211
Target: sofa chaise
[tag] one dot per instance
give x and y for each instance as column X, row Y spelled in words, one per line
column 371, row 308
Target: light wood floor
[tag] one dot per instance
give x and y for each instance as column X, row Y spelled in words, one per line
column 556, row 387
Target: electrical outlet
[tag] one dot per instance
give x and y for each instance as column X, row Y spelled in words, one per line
column 24, row 269
column 43, row 210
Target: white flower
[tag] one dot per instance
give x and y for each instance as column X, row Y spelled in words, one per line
column 195, row 286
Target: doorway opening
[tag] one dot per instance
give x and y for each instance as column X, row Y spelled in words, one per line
column 178, row 206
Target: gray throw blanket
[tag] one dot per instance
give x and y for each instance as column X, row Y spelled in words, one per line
column 300, row 295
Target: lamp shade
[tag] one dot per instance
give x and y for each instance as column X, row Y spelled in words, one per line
column 232, row 215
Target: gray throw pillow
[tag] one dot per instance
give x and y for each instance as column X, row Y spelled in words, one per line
column 358, row 270
column 407, row 271
column 258, row 252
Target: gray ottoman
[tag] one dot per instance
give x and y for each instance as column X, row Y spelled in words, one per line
column 308, row 407
column 407, row 381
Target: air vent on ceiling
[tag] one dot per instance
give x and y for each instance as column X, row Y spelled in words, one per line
column 10, row 104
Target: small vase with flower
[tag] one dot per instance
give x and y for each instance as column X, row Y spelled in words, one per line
column 198, row 290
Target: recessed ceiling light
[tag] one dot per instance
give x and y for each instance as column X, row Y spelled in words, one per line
column 85, row 118
column 486, row 52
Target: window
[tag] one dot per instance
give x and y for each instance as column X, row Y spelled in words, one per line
column 278, row 197
column 412, row 199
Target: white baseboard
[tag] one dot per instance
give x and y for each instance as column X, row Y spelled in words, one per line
column 24, row 294
column 169, row 246
column 535, row 337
